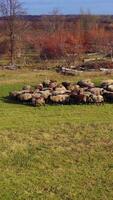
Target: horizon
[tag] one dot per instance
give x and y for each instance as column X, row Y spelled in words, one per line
column 72, row 7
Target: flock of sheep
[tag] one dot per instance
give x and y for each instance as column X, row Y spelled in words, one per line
column 51, row 92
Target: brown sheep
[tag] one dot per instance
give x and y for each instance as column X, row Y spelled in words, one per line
column 108, row 96
column 80, row 97
column 77, row 98
column 66, row 84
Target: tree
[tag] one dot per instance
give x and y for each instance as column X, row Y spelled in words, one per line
column 87, row 23
column 11, row 11
column 53, row 22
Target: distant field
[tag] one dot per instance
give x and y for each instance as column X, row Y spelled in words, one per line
column 54, row 152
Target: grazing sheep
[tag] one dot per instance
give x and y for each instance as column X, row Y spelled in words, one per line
column 25, row 97
column 16, row 94
column 60, row 99
column 96, row 91
column 59, row 90
column 26, row 91
column 66, row 93
column 66, row 84
column 84, row 98
column 27, row 87
column 46, row 94
column 77, row 98
column 87, row 99
column 36, row 91
column 73, row 87
column 13, row 94
column 36, row 95
column 53, row 84
column 38, row 101
column 86, row 83
column 108, row 96
column 39, row 87
column 110, row 88
column 106, row 83
column 98, row 99
column 46, row 83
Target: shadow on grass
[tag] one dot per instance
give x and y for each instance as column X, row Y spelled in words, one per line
column 8, row 100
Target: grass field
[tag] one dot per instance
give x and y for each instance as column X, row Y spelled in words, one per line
column 54, row 152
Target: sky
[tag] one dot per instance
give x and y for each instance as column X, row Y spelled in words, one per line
column 36, row 7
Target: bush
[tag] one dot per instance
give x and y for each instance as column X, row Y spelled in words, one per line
column 51, row 52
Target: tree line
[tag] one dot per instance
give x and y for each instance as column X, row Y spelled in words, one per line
column 53, row 37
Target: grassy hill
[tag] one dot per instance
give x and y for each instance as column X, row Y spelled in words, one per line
column 54, row 152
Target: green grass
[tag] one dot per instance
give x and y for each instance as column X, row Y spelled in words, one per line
column 54, row 152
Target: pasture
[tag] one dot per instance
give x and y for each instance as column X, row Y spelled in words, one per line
column 54, row 152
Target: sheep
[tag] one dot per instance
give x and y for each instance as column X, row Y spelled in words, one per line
column 59, row 90
column 39, row 87
column 98, row 99
column 25, row 97
column 46, row 83
column 66, row 84
column 53, row 85
column 86, row 83
column 87, row 97
column 73, row 87
column 96, row 91
column 46, row 94
column 106, row 83
column 77, row 98
column 60, row 99
column 36, row 95
column 110, row 88
column 84, row 97
column 15, row 94
column 26, row 87
column 65, row 93
column 108, row 96
column 38, row 101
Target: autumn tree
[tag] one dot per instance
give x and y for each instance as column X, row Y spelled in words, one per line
column 87, row 23
column 12, row 12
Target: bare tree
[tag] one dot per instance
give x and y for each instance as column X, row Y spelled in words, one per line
column 87, row 23
column 53, row 22
column 11, row 11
